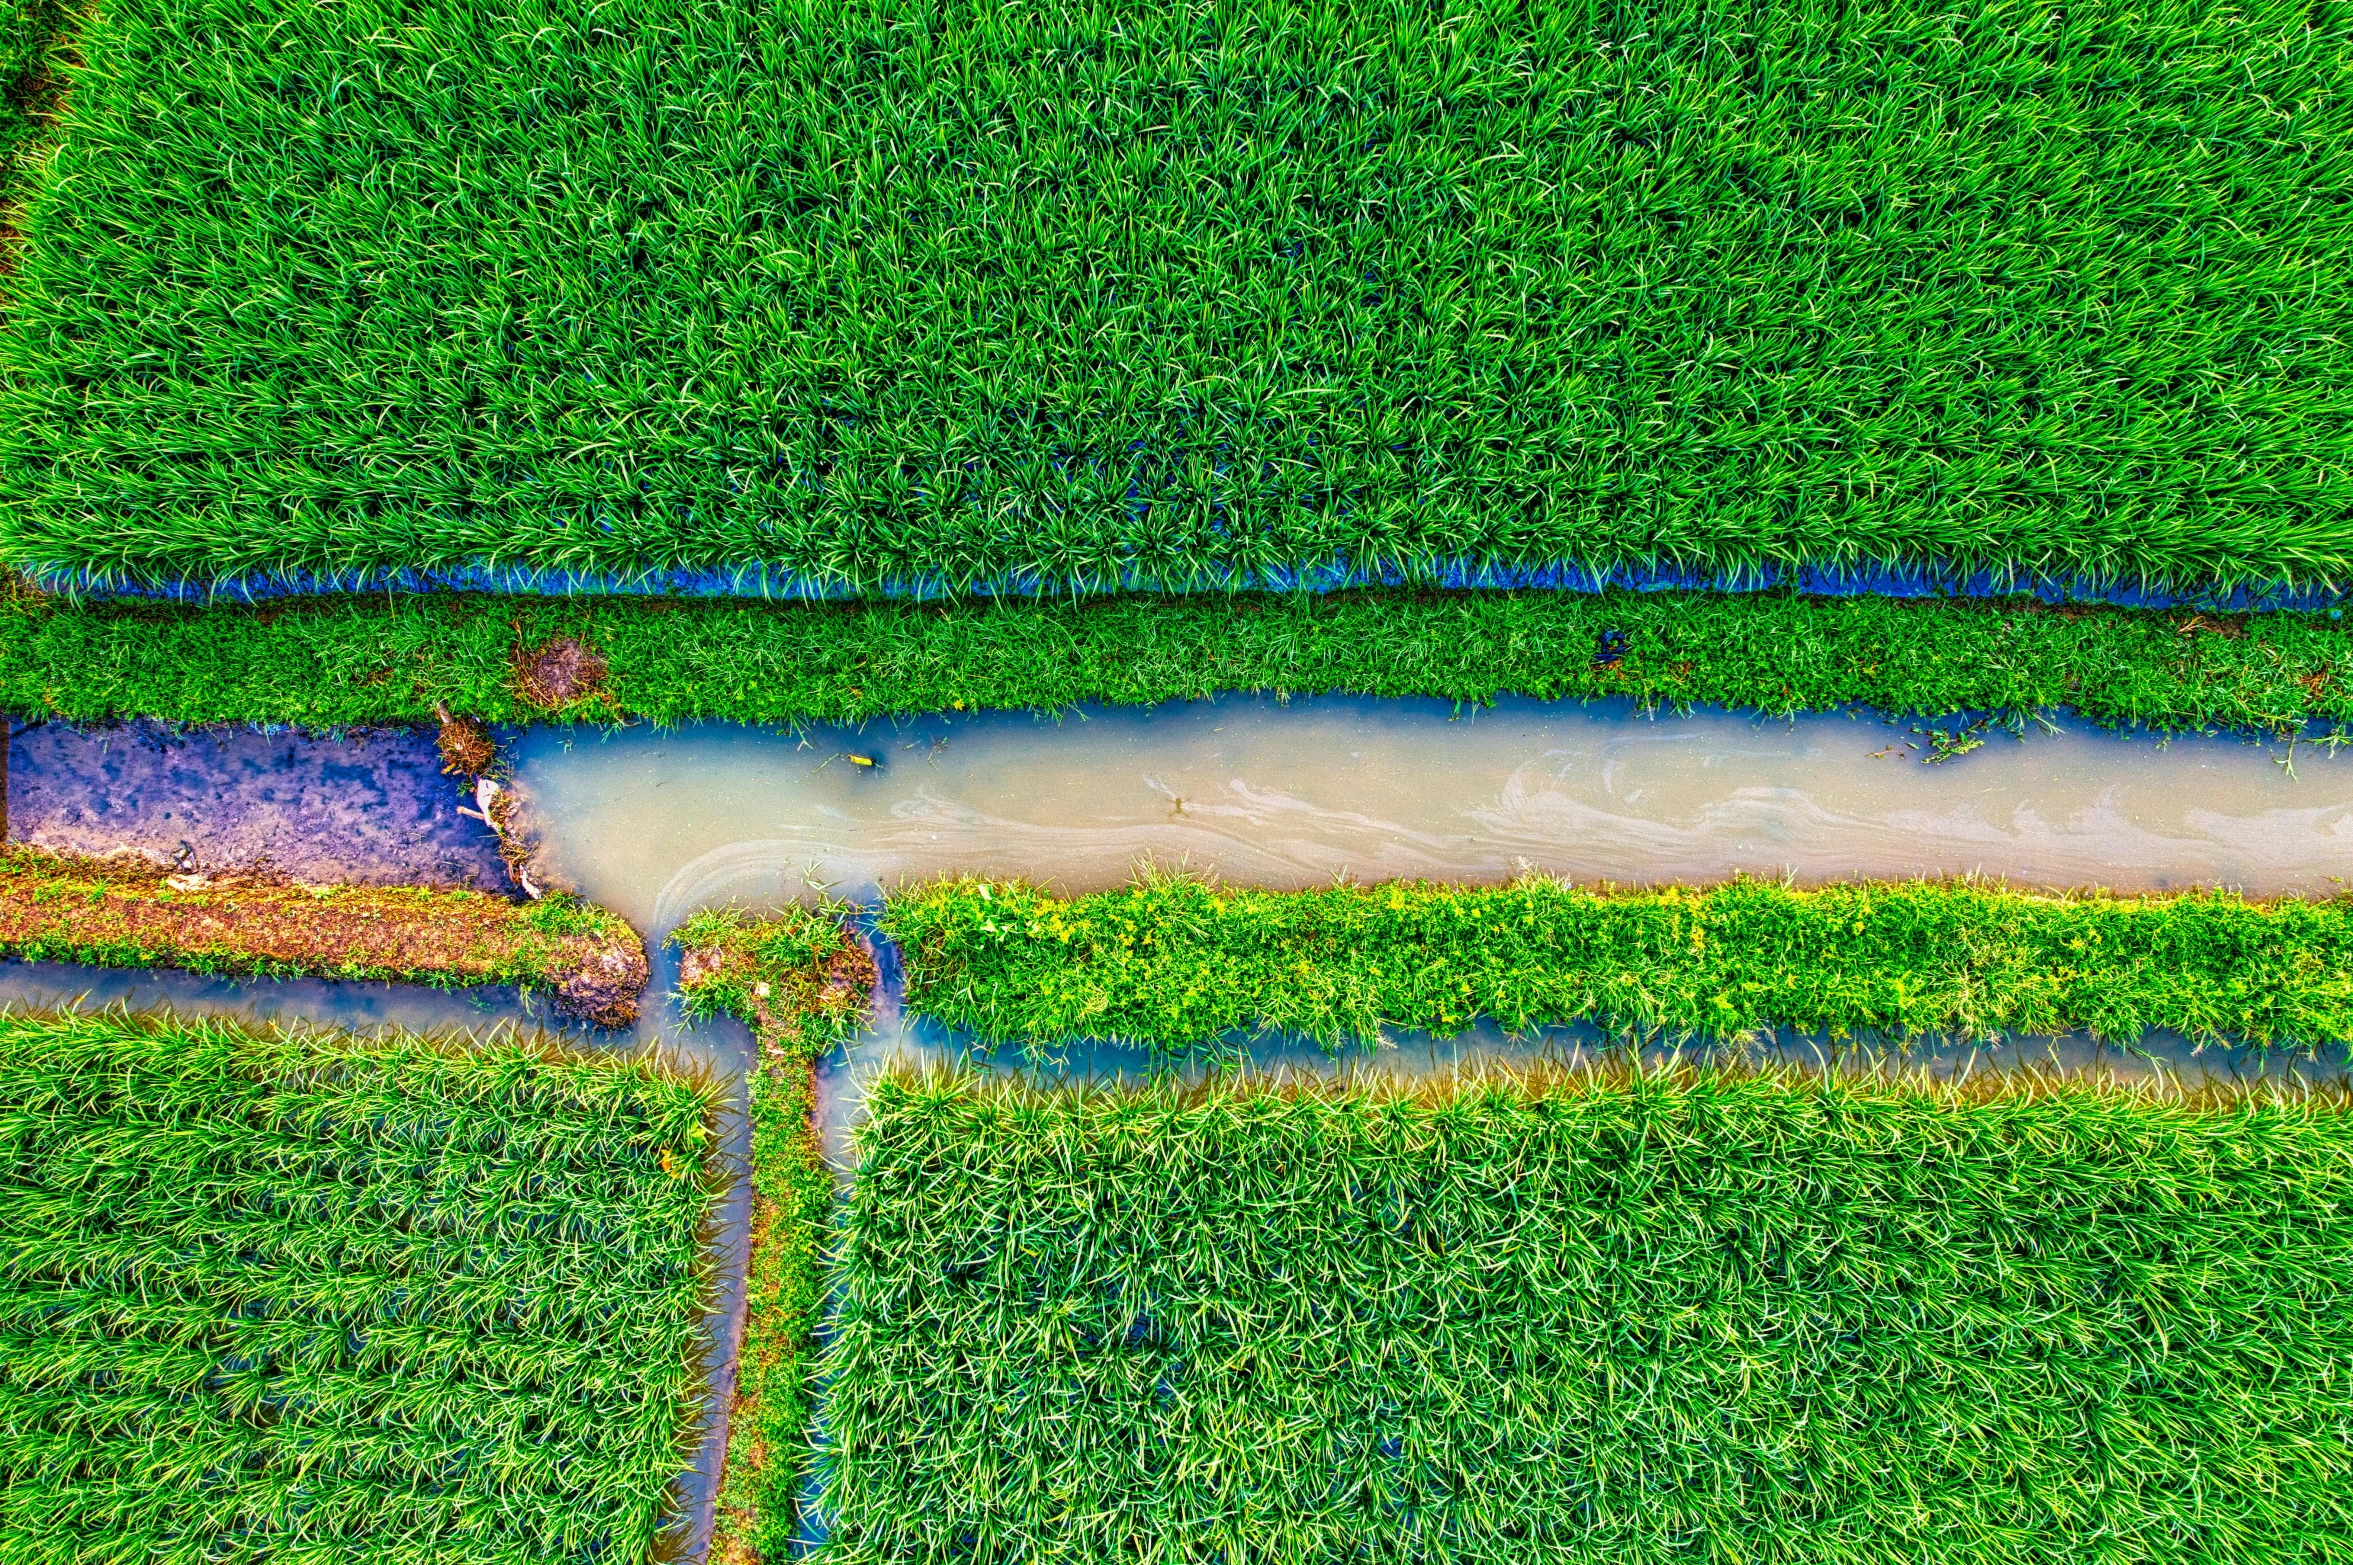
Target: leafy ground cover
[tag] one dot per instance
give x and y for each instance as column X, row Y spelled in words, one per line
column 126, row 912
column 1665, row 1318
column 802, row 985
column 1173, row 963
column 364, row 660
column 301, row 1297
column 877, row 293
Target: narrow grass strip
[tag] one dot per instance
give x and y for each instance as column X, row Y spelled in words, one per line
column 294, row 1295
column 354, row 661
column 1170, row 963
column 1643, row 1320
column 802, row 985
column 128, row 913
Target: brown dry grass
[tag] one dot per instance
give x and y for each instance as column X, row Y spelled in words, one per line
column 130, row 913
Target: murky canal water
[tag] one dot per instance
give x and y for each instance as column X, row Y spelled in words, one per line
column 658, row 823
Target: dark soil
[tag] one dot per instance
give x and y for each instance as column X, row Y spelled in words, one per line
column 559, row 673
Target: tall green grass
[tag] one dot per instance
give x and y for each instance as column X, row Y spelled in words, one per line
column 353, row 661
column 1171, row 963
column 871, row 291
column 1765, row 1319
column 298, row 1297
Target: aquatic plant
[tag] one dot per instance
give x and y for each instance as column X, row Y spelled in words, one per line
column 1172, row 962
column 356, row 661
column 1658, row 1318
column 874, row 293
column 803, row 985
column 294, row 1295
column 127, row 912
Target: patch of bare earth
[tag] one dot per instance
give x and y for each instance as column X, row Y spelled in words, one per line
column 558, row 673
column 59, row 905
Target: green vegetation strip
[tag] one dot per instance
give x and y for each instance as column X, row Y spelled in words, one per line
column 1659, row 1319
column 1175, row 963
column 352, row 661
column 803, row 986
column 876, row 290
column 300, row 1297
column 130, row 913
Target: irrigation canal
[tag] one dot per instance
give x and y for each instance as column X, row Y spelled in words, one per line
column 658, row 824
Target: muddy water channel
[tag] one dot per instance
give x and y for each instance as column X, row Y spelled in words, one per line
column 659, row 824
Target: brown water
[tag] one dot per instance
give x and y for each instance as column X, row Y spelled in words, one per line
column 657, row 823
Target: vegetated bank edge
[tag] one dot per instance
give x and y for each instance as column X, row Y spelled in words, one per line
column 1781, row 1316
column 1172, row 963
column 803, row 985
column 449, row 1291
column 126, row 912
column 348, row 662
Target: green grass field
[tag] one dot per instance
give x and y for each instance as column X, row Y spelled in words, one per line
column 876, row 292
column 352, row 661
column 1174, row 964
column 1676, row 1319
column 297, row 1298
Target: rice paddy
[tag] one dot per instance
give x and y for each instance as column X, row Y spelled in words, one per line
column 283, row 1296
column 1656, row 1318
column 1173, row 963
column 879, row 296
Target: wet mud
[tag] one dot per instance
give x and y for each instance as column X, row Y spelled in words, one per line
column 372, row 808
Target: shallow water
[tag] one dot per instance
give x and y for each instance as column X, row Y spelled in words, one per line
column 900, row 1042
column 371, row 808
column 657, row 823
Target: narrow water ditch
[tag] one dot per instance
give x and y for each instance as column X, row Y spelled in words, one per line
column 658, row 824
column 655, row 823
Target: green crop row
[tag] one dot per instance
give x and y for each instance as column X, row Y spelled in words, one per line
column 802, row 985
column 1665, row 1318
column 1173, row 963
column 298, row 1297
column 353, row 661
column 872, row 292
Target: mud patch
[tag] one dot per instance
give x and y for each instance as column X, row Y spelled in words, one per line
column 558, row 673
column 369, row 809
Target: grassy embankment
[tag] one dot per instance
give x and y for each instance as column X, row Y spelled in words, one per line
column 128, row 913
column 353, row 661
column 802, row 985
column 1695, row 1316
column 1173, row 963
column 877, row 292
column 297, row 1296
